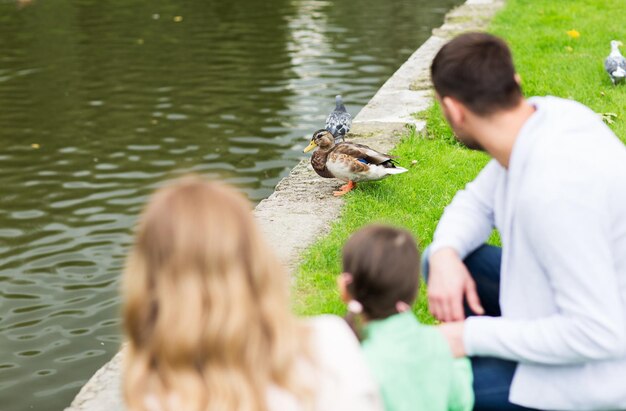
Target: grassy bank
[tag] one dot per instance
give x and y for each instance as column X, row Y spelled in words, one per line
column 549, row 60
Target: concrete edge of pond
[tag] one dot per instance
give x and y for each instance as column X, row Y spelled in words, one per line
column 302, row 207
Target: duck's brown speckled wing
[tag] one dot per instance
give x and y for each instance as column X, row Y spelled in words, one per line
column 361, row 152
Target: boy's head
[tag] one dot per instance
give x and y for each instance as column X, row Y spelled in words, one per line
column 380, row 270
column 476, row 69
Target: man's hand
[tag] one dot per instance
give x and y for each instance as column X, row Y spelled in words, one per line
column 448, row 282
column 453, row 333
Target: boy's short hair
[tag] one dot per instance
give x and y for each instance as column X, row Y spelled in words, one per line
column 477, row 69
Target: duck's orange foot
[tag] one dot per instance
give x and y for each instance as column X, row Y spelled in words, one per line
column 344, row 189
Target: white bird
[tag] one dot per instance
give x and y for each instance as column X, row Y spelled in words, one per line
column 615, row 63
column 339, row 120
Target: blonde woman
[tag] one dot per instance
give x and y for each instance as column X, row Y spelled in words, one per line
column 208, row 320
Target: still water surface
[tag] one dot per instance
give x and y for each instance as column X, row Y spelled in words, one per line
column 100, row 101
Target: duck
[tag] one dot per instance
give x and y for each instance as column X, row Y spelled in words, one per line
column 348, row 161
column 339, row 120
column 615, row 63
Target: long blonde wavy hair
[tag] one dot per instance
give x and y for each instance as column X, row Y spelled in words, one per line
column 206, row 306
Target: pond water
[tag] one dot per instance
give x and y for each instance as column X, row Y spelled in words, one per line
column 100, row 101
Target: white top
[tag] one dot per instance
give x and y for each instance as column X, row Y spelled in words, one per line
column 560, row 209
column 341, row 379
column 339, row 375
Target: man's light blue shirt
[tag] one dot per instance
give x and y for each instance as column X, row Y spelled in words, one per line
column 560, row 209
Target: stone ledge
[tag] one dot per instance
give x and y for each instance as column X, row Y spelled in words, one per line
column 103, row 392
column 473, row 15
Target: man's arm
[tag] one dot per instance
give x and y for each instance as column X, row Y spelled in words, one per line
column 468, row 220
column 465, row 225
column 570, row 234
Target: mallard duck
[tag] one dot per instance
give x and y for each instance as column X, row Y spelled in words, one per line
column 348, row 161
column 339, row 120
column 615, row 63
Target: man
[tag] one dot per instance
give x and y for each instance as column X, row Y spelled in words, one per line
column 556, row 191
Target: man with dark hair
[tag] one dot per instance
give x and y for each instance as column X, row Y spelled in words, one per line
column 554, row 296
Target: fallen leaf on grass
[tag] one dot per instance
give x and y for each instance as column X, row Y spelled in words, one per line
column 608, row 118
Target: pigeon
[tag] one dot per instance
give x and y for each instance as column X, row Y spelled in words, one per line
column 615, row 63
column 339, row 120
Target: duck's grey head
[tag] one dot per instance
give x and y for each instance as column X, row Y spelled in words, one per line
column 615, row 44
column 322, row 139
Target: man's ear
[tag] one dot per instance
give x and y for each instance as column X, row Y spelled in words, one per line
column 453, row 109
column 342, row 284
column 518, row 79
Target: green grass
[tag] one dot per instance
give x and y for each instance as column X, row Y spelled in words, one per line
column 549, row 61
column 413, row 200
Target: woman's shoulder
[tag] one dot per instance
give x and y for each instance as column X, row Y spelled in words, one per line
column 331, row 339
column 342, row 375
column 331, row 326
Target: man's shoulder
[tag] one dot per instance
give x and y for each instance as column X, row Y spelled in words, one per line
column 561, row 116
column 572, row 136
column 559, row 104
